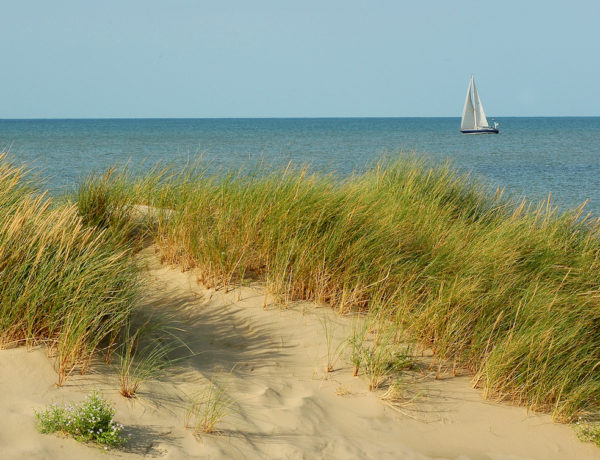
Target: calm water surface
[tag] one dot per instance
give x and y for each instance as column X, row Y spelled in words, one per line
column 531, row 156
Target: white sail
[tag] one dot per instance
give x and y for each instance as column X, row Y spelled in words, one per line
column 468, row 117
column 480, row 118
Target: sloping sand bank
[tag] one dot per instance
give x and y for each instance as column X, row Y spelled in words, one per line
column 272, row 363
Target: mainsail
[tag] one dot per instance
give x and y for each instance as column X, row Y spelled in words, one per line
column 473, row 114
column 480, row 119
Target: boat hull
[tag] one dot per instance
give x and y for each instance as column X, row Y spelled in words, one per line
column 480, row 131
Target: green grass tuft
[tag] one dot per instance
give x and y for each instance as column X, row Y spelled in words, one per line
column 207, row 410
column 63, row 283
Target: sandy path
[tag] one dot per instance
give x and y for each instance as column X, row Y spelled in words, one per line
column 272, row 362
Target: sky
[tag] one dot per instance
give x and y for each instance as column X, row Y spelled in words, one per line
column 225, row 58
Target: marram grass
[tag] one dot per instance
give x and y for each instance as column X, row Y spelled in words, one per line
column 509, row 290
column 62, row 283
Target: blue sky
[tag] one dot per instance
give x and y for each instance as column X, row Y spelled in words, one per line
column 176, row 58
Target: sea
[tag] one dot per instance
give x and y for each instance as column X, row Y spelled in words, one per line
column 531, row 157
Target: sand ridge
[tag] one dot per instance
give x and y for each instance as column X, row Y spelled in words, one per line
column 272, row 362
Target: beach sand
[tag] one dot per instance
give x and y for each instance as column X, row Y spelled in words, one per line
column 272, row 362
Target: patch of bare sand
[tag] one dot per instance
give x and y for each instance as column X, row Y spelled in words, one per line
column 272, row 363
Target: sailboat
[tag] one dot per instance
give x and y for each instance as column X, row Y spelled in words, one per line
column 474, row 120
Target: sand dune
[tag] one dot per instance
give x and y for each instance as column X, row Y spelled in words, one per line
column 272, row 362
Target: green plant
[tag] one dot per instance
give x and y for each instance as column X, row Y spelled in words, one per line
column 90, row 421
column 144, row 354
column 208, row 409
column 383, row 359
column 107, row 202
column 588, row 431
column 333, row 354
column 356, row 342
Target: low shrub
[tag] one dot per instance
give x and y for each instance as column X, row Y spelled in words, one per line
column 588, row 431
column 90, row 421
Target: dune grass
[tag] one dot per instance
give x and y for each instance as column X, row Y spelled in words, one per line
column 145, row 352
column 508, row 290
column 62, row 283
column 207, row 410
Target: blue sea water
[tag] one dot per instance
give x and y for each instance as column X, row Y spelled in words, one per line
column 530, row 156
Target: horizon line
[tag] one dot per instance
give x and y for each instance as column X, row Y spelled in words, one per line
column 284, row 118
